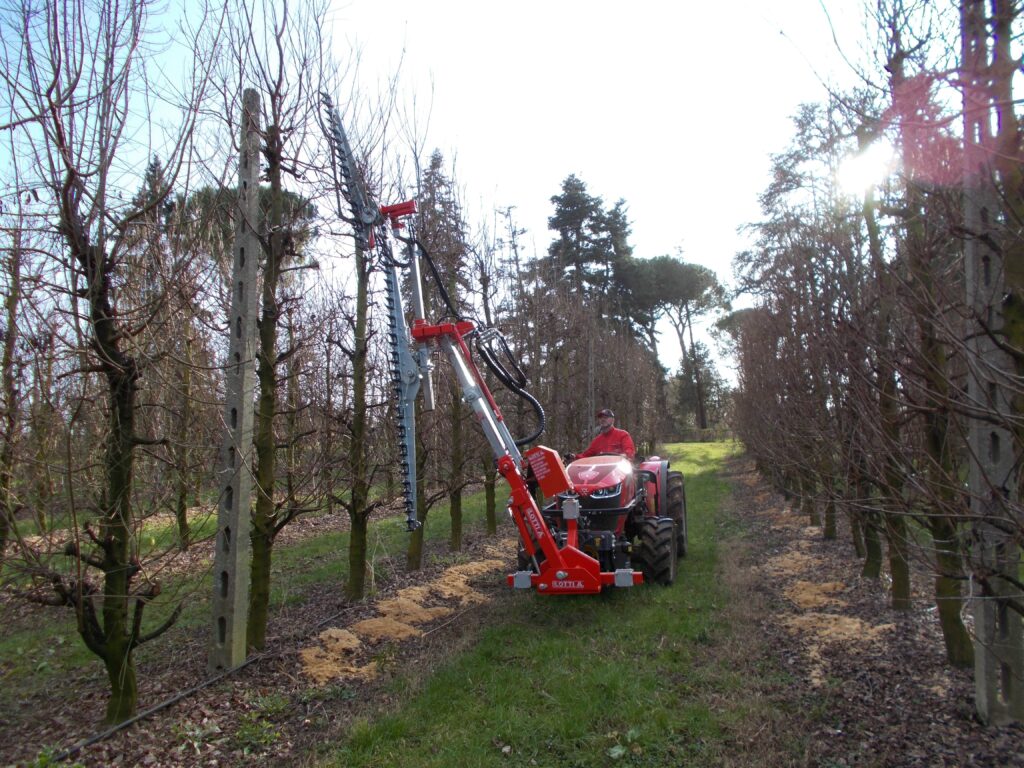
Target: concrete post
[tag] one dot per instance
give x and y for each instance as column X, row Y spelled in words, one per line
column 992, row 477
column 232, row 548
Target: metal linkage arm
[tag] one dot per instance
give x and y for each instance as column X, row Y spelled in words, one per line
column 565, row 569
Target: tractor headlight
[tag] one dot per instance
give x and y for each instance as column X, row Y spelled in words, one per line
column 607, row 493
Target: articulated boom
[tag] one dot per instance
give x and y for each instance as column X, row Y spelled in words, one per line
column 561, row 569
column 556, row 569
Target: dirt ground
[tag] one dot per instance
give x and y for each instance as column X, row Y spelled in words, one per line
column 870, row 684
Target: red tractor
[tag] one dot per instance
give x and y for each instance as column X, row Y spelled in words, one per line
column 628, row 518
column 609, row 524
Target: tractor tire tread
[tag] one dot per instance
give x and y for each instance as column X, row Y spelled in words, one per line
column 677, row 510
column 657, row 550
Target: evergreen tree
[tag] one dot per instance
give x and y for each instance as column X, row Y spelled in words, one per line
column 714, row 390
column 589, row 249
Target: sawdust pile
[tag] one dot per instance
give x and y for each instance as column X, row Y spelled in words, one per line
column 338, row 652
column 322, row 667
column 819, row 629
column 385, row 628
column 785, row 518
column 809, row 594
column 410, row 611
column 499, row 549
column 334, row 658
column 339, row 641
column 418, row 594
column 834, row 628
column 454, row 582
column 826, row 628
column 790, row 564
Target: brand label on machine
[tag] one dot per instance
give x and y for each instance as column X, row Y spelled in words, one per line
column 538, row 529
column 567, row 584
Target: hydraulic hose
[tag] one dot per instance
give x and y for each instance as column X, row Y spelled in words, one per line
column 437, row 280
column 514, row 380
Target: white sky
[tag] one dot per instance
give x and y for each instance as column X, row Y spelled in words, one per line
column 674, row 107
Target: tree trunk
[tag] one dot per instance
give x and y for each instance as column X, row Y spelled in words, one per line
column 414, row 552
column 941, row 472
column 259, row 585
column 856, row 521
column 262, row 532
column 360, row 493
column 829, row 531
column 183, row 457
column 899, row 562
column 949, row 599
column 10, row 391
column 807, row 506
column 264, row 521
column 873, row 547
column 114, row 642
column 490, row 495
column 698, row 384
column 124, row 689
column 895, row 525
column 356, row 587
column 455, row 508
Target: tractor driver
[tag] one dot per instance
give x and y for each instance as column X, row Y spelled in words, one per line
column 609, row 439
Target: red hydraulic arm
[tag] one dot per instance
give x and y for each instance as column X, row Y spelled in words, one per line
column 565, row 570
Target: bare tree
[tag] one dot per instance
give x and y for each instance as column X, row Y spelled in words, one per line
column 77, row 75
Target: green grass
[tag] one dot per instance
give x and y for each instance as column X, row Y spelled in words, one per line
column 36, row 655
column 161, row 536
column 582, row 681
column 626, row 678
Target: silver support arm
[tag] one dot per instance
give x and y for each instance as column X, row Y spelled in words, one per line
column 420, row 312
column 497, row 434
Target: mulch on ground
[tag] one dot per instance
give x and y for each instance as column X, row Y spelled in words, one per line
column 872, row 682
column 869, row 685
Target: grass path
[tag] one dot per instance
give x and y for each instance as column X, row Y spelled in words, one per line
column 650, row 676
column 624, row 678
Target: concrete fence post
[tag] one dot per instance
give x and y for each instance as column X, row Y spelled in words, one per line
column 232, row 553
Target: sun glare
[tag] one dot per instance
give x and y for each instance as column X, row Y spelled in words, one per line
column 857, row 173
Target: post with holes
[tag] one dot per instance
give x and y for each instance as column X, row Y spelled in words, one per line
column 992, row 479
column 231, row 557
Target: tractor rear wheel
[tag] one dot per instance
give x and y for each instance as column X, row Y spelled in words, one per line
column 677, row 509
column 655, row 554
